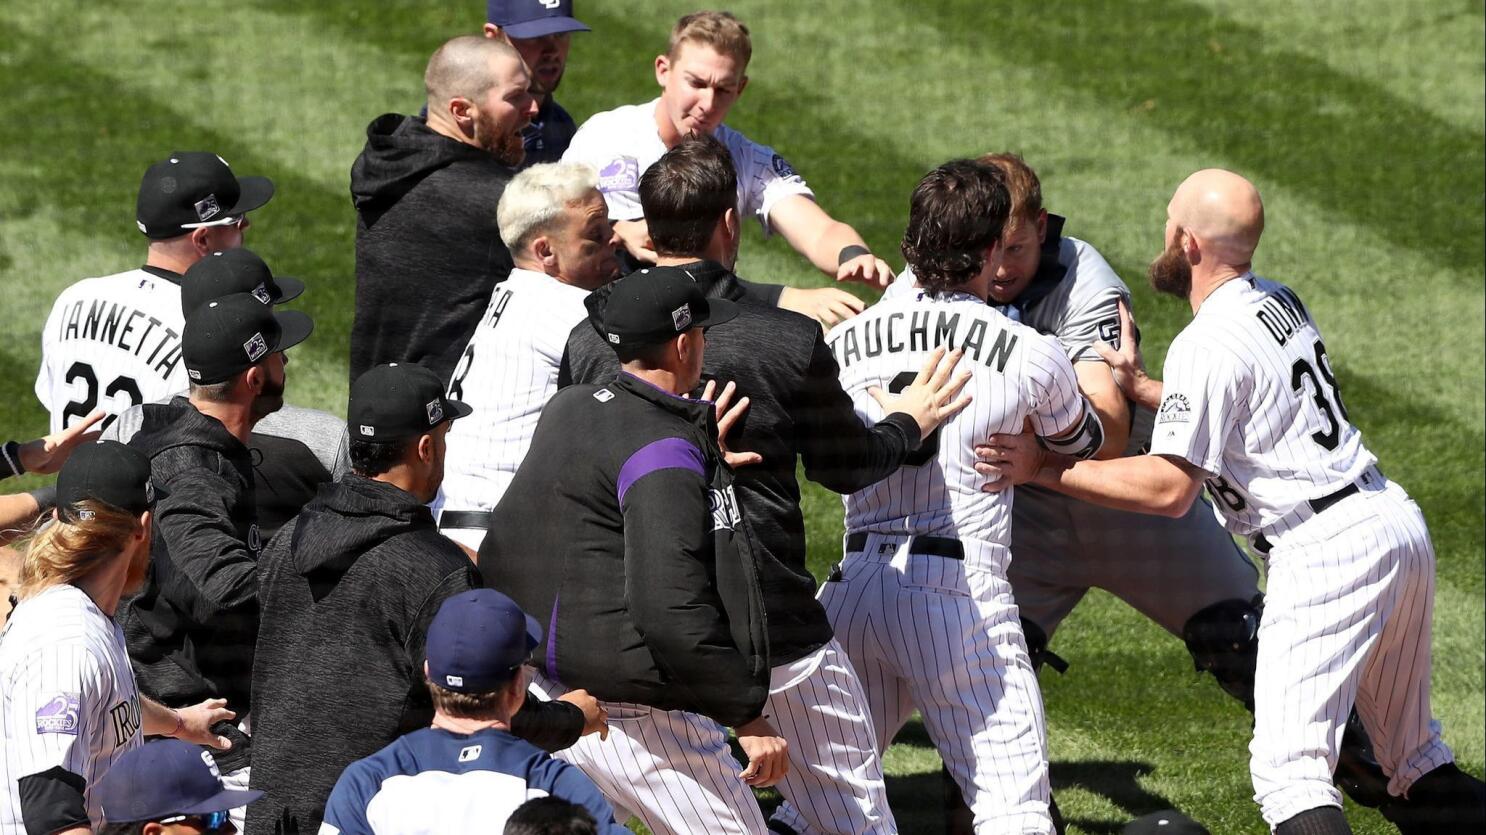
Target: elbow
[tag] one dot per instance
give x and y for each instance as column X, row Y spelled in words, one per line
column 1175, row 501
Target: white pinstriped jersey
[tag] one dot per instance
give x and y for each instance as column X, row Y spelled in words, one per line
column 113, row 342
column 622, row 143
column 507, row 373
column 67, row 696
column 1016, row 374
column 1249, row 396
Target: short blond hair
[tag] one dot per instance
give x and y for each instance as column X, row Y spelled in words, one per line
column 534, row 200
column 720, row 30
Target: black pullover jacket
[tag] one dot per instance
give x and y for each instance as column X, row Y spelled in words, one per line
column 780, row 361
column 428, row 251
column 621, row 533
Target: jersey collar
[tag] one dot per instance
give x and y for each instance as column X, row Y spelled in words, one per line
column 160, row 272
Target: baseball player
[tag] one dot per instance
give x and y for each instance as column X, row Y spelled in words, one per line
column 1251, row 408
column 68, row 702
column 921, row 601
column 115, row 342
column 542, row 31
column 554, row 222
column 701, row 76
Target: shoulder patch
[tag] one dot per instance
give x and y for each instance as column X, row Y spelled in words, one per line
column 1109, row 331
column 59, row 715
column 620, row 174
column 1175, row 409
column 782, row 167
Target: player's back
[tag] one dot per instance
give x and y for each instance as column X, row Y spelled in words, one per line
column 1292, row 440
column 111, row 342
column 1015, row 374
column 507, row 373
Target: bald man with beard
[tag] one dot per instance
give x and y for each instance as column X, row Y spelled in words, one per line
column 428, row 248
column 1250, row 407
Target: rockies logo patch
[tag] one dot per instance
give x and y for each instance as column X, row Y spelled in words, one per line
column 60, row 715
column 1175, row 409
column 435, row 412
column 256, row 347
column 681, row 317
column 207, row 207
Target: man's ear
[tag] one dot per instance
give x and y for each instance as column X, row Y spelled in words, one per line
column 255, row 377
column 662, row 69
column 462, row 111
column 541, row 249
column 742, row 85
column 201, row 241
column 1041, row 226
column 425, row 448
column 490, row 30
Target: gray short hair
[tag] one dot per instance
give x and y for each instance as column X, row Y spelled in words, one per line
column 535, row 198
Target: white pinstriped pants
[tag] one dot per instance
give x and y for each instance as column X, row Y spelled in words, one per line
column 1347, row 618
column 943, row 635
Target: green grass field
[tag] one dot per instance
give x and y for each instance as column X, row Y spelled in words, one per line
column 1360, row 120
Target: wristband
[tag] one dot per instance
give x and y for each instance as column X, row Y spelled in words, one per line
column 179, row 723
column 45, row 497
column 851, row 251
column 11, row 451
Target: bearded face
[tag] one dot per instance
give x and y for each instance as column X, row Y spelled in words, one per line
column 502, row 141
column 1171, row 273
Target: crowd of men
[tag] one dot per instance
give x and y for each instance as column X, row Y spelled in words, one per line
column 555, row 551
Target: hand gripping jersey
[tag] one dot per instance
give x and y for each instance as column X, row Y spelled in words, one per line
column 622, row 143
column 112, row 342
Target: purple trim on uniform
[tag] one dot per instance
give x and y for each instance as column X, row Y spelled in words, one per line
column 661, row 390
column 552, row 639
column 665, row 454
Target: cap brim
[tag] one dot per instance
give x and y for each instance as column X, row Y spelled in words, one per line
column 458, row 409
column 295, row 328
column 255, row 191
column 718, row 311
column 289, row 288
column 222, row 801
column 544, row 26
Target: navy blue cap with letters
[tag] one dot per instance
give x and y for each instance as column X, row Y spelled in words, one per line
column 533, row 18
column 163, row 779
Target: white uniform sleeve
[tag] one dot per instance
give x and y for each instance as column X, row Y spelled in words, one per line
column 619, row 173
column 764, row 177
column 51, row 705
column 45, row 383
column 1050, row 386
column 1097, row 318
column 1201, row 404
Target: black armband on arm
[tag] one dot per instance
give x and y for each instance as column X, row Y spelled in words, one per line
column 10, row 454
column 52, row 800
column 45, row 497
column 1085, row 440
column 851, row 251
column 551, row 726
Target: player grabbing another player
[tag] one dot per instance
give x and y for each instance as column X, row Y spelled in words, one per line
column 701, row 76
column 115, row 341
column 921, row 601
column 1250, row 406
column 68, row 703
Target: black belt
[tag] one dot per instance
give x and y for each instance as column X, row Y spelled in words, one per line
column 473, row 519
column 1262, row 544
column 931, row 546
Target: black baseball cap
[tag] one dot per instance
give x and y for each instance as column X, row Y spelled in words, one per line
column 399, row 400
column 653, row 305
column 533, row 18
column 192, row 189
column 165, row 778
column 478, row 640
column 108, row 472
column 235, row 271
column 234, row 333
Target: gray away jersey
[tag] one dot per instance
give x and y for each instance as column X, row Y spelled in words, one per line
column 1249, row 396
column 1016, row 374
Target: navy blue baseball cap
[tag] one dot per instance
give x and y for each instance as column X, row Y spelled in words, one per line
column 533, row 18
column 163, row 779
column 478, row 640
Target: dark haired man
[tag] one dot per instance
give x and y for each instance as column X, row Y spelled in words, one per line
column 470, row 770
column 347, row 590
column 797, row 409
column 191, row 629
column 925, row 548
column 550, row 816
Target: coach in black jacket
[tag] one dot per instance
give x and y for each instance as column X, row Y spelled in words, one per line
column 428, row 251
column 780, row 361
column 191, row 629
column 347, row 591
column 621, row 534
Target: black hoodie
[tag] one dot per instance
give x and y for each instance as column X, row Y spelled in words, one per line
column 428, row 251
column 347, row 590
column 191, row 628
